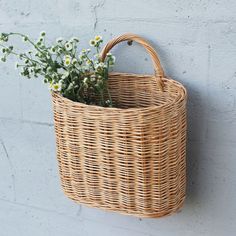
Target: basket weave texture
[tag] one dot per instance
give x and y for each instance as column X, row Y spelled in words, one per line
column 129, row 159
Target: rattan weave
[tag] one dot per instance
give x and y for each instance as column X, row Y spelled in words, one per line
column 129, row 159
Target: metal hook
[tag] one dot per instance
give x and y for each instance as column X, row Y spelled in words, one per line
column 130, row 42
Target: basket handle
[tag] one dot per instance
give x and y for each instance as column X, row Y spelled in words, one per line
column 159, row 73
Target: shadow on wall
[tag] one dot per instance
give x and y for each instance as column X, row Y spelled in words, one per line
column 196, row 125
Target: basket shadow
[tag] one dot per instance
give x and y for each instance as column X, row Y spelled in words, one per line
column 195, row 136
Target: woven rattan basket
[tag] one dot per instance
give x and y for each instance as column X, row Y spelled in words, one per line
column 129, row 159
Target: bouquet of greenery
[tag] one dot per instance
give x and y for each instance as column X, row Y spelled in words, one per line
column 79, row 76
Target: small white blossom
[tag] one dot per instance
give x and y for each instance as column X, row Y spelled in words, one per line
column 86, row 68
column 98, row 38
column 25, row 38
column 49, row 69
column 59, row 50
column 55, row 86
column 81, row 57
column 75, row 39
column 59, row 40
column 88, row 62
column 93, row 78
column 31, row 70
column 92, row 42
column 53, row 50
column 42, row 33
column 85, row 80
column 41, row 39
column 68, row 46
column 74, row 61
column 60, row 70
column 54, row 76
column 67, row 60
column 100, row 65
column 65, row 75
column 108, row 102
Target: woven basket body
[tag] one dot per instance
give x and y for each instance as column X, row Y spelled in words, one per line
column 129, row 159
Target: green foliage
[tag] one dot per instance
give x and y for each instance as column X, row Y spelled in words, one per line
column 79, row 76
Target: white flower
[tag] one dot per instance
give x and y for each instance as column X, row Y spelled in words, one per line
column 98, row 38
column 93, row 78
column 68, row 46
column 108, row 102
column 81, row 57
column 100, row 65
column 88, row 62
column 85, row 80
column 59, row 40
column 70, row 86
column 74, row 61
column 86, row 68
column 60, row 70
column 48, row 56
column 92, row 42
column 42, row 33
column 54, row 76
column 99, row 82
column 59, row 50
column 31, row 70
column 41, row 39
column 75, row 39
column 53, row 50
column 55, row 86
column 49, row 69
column 65, row 75
column 25, row 38
column 67, row 60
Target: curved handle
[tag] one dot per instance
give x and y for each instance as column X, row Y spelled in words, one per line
column 132, row 37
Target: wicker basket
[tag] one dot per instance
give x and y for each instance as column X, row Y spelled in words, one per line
column 129, row 159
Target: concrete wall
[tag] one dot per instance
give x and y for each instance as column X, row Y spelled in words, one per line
column 196, row 41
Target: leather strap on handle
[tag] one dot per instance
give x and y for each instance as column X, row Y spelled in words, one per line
column 159, row 73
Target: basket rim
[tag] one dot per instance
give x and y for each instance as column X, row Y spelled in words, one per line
column 124, row 110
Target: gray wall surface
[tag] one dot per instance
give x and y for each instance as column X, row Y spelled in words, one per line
column 196, row 41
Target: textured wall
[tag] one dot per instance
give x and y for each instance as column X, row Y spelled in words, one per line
column 196, row 42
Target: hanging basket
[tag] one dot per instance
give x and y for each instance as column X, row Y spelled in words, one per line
column 129, row 159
